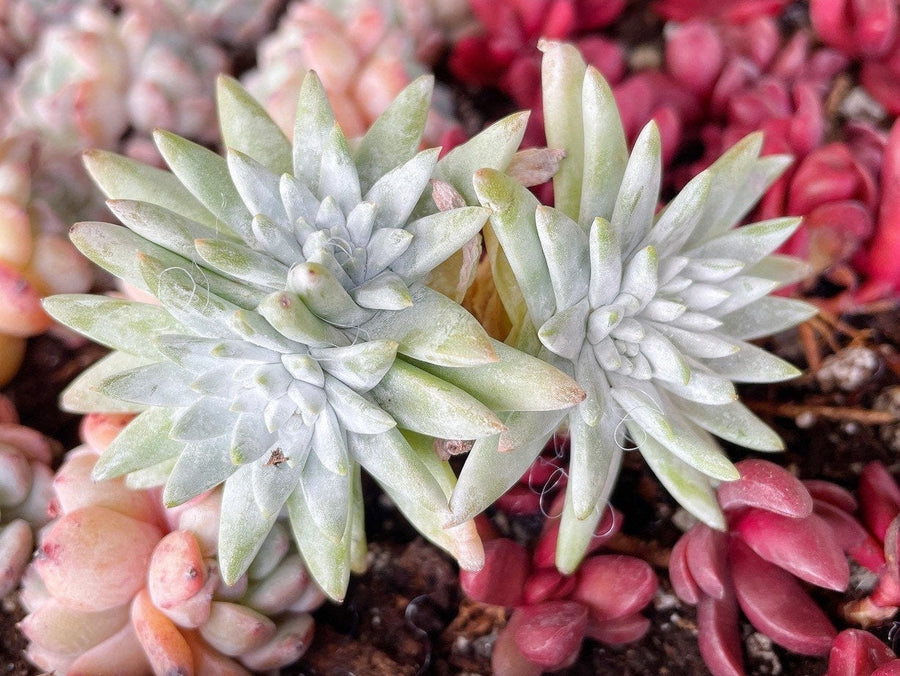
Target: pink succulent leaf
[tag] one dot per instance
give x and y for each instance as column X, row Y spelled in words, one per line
column 680, row 573
column 830, row 492
column 209, row 661
column 737, row 11
column 885, row 247
column 828, row 174
column 550, row 634
column 195, row 610
column 855, row 652
column 548, row 584
column 805, row 547
column 887, row 592
column 120, row 654
column 717, row 634
column 776, row 604
column 292, row 639
column 879, row 494
column 177, row 570
column 506, row 658
column 613, row 586
column 892, row 668
column 683, row 44
column 767, row 486
column 619, row 631
column 99, row 429
column 519, row 500
column 164, row 645
column 32, row 443
column 235, row 629
column 16, row 544
column 117, row 553
column 852, row 537
column 707, row 560
column 502, row 579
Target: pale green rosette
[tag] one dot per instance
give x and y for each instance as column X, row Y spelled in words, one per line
column 295, row 339
column 650, row 310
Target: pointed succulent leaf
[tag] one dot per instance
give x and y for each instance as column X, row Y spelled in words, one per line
column 752, row 364
column 750, row 243
column 242, row 528
column 435, row 330
column 766, row 316
column 157, row 384
column 424, row 403
column 337, row 174
column 605, row 149
column 679, row 217
column 562, row 75
column 205, row 174
column 119, row 324
column 596, row 452
column 761, row 175
column 567, row 255
column 488, row 474
column 259, row 188
column 606, row 263
column 312, row 126
column 396, row 192
column 200, row 466
column 243, row 263
column 781, row 269
column 635, row 205
column 325, row 296
column 327, row 495
column 564, row 333
column 386, row 291
column 293, row 319
column 576, row 535
column 512, row 219
column 247, row 127
column 144, row 442
column 492, row 148
column 328, row 562
column 394, row 137
column 689, row 486
column 82, row 395
column 355, row 411
column 733, row 422
column 515, row 382
column 361, row 366
column 435, row 238
column 122, row 178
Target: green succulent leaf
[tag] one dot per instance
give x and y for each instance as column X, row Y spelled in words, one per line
column 142, row 444
column 83, row 395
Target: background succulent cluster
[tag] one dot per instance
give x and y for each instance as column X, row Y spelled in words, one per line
column 383, row 284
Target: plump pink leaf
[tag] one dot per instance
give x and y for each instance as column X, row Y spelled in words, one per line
column 506, row 658
column 16, row 544
column 177, row 570
column 855, row 652
column 614, row 586
column 892, row 668
column 120, row 654
column 99, row 429
column 851, row 536
column 95, row 558
column 619, row 631
column 165, row 647
column 683, row 44
column 679, row 573
column 805, row 547
column 209, row 662
column 706, row 560
column 234, row 629
column 717, row 634
column 502, row 579
column 887, row 591
column 882, row 265
column 293, row 636
column 29, row 441
column 830, row 492
column 547, row 584
column 767, row 486
column 777, row 605
column 549, row 634
column 879, row 497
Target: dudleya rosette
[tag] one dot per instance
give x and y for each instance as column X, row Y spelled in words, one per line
column 295, row 339
column 649, row 310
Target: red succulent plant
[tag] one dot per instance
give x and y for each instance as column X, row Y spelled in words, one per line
column 553, row 613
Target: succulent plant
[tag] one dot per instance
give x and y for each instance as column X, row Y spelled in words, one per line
column 650, row 311
column 553, row 613
column 35, row 256
column 295, row 339
column 859, row 653
column 121, row 585
column 25, row 492
column 776, row 538
column 361, row 57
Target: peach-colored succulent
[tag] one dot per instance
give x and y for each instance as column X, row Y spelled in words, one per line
column 122, row 585
column 362, row 60
column 36, row 258
column 25, row 492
